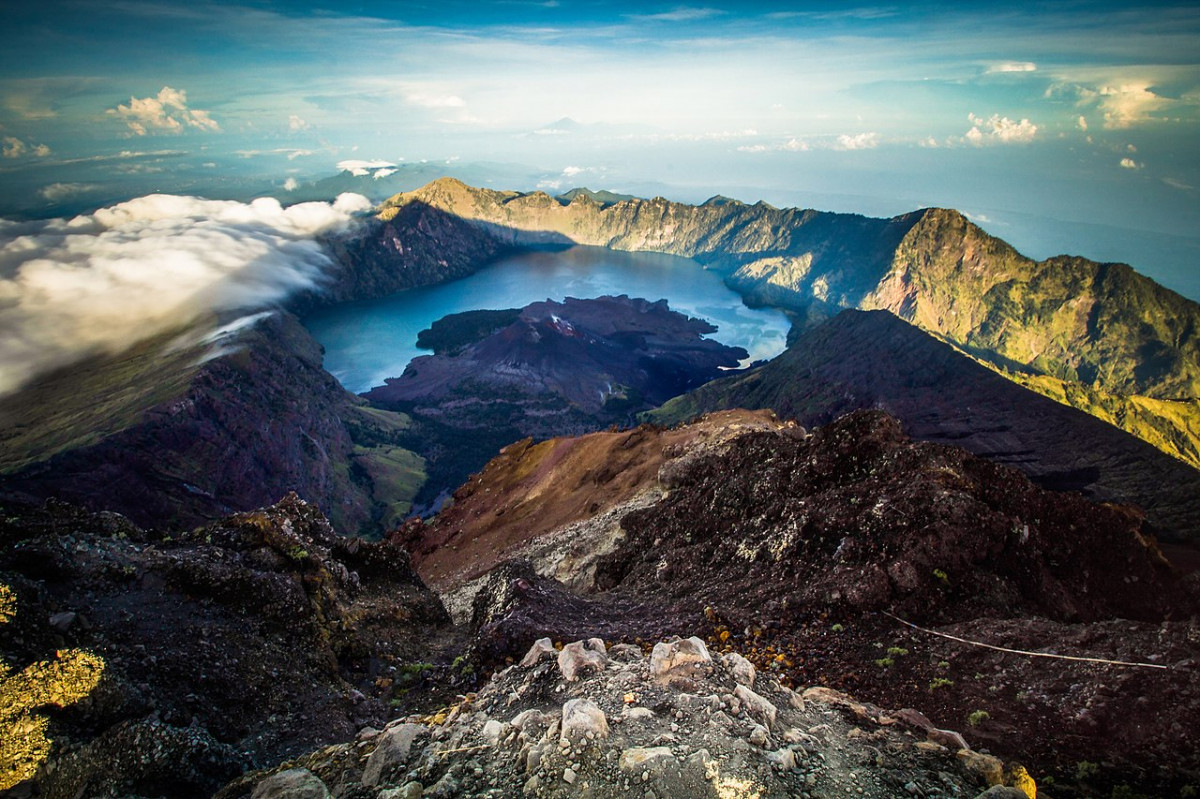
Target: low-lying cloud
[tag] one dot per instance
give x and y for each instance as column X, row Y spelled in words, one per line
column 101, row 282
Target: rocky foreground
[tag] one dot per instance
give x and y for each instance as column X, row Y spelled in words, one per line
column 590, row 719
column 172, row 663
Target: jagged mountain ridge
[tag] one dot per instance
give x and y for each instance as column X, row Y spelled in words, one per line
column 1102, row 325
column 873, row 359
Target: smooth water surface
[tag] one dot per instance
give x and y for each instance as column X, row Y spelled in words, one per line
column 366, row 342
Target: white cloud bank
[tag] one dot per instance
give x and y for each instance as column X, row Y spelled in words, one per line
column 167, row 112
column 100, row 282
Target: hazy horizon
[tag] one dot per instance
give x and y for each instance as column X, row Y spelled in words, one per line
column 1072, row 129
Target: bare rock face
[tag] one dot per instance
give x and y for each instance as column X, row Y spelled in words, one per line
column 683, row 658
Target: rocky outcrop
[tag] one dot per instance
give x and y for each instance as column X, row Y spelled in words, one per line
column 254, row 638
column 536, row 731
column 874, row 360
column 605, row 357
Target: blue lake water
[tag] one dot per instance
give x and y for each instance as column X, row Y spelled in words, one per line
column 366, row 342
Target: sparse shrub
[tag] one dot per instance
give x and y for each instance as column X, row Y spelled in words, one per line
column 897, row 651
column 883, row 663
column 942, row 576
column 837, row 628
column 978, row 717
column 1085, row 769
column 940, row 682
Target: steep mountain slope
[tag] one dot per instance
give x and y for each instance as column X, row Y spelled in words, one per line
column 193, row 425
column 562, row 483
column 1100, row 325
column 182, row 431
column 875, row 360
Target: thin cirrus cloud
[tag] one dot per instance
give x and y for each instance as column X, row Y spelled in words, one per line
column 101, row 282
column 166, row 112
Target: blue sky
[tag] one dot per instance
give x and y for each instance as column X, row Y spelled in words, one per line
column 1072, row 128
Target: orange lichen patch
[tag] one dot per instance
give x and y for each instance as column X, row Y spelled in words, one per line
column 70, row 677
column 535, row 488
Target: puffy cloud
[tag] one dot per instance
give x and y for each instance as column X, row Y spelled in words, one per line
column 290, row 184
column 12, row 147
column 1129, row 104
column 383, row 173
column 1082, row 122
column 791, row 145
column 1129, row 163
column 859, row 141
column 57, row 192
column 296, row 124
column 999, row 130
column 100, row 282
column 1125, row 101
column 167, row 112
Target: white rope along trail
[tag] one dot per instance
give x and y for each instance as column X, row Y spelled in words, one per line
column 1025, row 652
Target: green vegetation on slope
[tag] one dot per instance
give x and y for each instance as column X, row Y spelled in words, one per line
column 1102, row 325
column 1172, row 426
column 450, row 334
column 81, row 404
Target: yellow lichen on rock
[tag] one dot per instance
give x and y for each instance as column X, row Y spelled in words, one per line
column 1017, row 777
column 70, row 677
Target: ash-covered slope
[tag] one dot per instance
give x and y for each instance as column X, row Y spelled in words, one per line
column 254, row 638
column 875, row 360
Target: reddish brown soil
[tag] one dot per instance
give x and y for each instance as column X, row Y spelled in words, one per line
column 531, row 489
